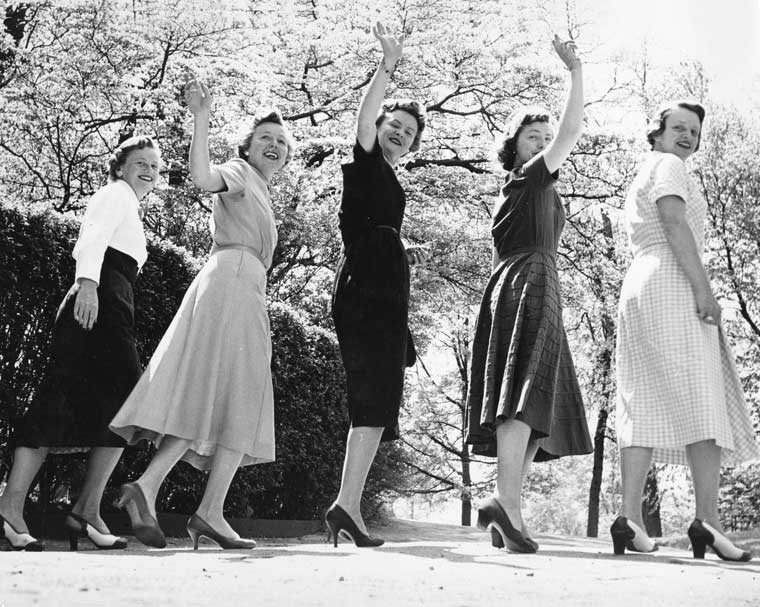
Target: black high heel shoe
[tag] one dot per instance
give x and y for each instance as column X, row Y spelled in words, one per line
column 338, row 521
column 144, row 524
column 198, row 528
column 80, row 527
column 702, row 535
column 624, row 533
column 492, row 516
column 498, row 542
column 20, row 541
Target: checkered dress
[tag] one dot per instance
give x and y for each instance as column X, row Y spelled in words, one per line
column 676, row 379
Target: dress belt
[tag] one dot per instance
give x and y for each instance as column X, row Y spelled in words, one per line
column 236, row 247
column 519, row 250
column 641, row 250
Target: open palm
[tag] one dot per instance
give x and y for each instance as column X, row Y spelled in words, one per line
column 393, row 47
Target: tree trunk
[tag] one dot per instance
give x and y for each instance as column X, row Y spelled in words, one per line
column 650, row 505
column 592, row 525
column 466, row 487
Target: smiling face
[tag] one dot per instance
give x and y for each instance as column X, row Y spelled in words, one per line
column 533, row 139
column 396, row 134
column 140, row 170
column 268, row 151
column 680, row 135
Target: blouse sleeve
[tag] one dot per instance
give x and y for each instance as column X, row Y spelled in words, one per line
column 234, row 173
column 670, row 178
column 536, row 174
column 105, row 211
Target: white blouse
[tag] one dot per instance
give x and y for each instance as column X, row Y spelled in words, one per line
column 112, row 219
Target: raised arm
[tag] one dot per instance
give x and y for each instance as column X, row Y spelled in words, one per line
column 198, row 99
column 672, row 212
column 571, row 122
column 373, row 96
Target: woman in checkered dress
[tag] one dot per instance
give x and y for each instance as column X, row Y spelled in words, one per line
column 679, row 399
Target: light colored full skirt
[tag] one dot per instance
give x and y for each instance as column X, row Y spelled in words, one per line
column 209, row 380
column 677, row 381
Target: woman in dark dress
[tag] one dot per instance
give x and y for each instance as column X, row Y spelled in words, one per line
column 524, row 402
column 94, row 363
column 371, row 295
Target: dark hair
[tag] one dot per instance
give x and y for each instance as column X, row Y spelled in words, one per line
column 119, row 155
column 657, row 124
column 506, row 149
column 273, row 116
column 411, row 107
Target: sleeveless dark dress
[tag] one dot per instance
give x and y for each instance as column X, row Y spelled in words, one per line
column 521, row 364
column 90, row 373
column 371, row 293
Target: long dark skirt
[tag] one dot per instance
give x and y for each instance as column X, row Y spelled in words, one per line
column 370, row 310
column 521, row 363
column 90, row 373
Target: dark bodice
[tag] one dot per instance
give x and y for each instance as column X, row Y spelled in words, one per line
column 529, row 213
column 372, row 196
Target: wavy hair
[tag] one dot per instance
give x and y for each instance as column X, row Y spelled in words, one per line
column 119, row 155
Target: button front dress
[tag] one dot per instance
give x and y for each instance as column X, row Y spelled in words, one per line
column 371, row 293
column 521, row 364
column 209, row 380
column 676, row 379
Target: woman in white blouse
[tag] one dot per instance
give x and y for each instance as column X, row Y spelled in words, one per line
column 94, row 363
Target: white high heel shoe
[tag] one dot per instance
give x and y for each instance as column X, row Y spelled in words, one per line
column 21, row 541
column 627, row 534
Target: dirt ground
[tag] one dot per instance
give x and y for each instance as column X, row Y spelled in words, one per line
column 420, row 564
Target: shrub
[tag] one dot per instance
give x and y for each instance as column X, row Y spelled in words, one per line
column 36, row 270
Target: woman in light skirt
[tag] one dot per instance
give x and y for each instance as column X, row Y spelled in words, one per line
column 206, row 395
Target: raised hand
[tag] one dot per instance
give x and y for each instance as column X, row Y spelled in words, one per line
column 393, row 47
column 567, row 51
column 197, row 96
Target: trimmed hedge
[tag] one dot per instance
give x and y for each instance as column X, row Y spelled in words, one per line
column 36, row 270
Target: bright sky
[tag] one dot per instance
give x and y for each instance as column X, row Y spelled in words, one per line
column 723, row 35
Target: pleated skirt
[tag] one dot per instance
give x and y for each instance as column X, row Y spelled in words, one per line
column 209, row 380
column 90, row 373
column 521, row 364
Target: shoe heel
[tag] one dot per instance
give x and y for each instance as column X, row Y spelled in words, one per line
column 194, row 536
column 332, row 532
column 483, row 519
column 619, row 540
column 73, row 540
column 496, row 539
column 698, row 546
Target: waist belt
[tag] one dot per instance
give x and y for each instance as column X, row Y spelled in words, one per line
column 236, row 247
column 519, row 250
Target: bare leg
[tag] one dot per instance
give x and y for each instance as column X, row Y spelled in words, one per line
column 211, row 508
column 26, row 464
column 100, row 466
column 361, row 447
column 512, row 437
column 634, row 465
column 169, row 453
column 530, row 454
column 704, row 462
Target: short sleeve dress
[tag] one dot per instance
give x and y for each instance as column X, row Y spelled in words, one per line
column 676, row 379
column 91, row 372
column 209, row 380
column 371, row 292
column 521, row 364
